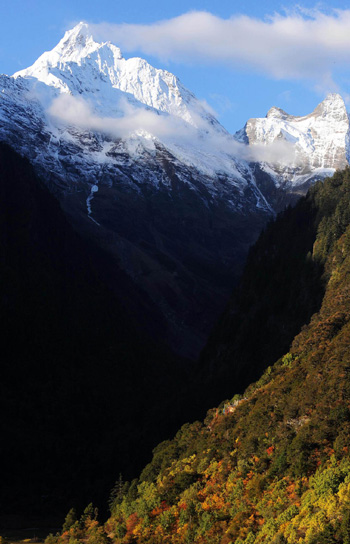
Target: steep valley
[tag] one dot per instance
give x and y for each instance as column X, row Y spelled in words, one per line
column 127, row 212
column 271, row 464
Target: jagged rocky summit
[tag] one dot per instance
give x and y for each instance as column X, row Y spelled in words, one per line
column 320, row 141
column 145, row 171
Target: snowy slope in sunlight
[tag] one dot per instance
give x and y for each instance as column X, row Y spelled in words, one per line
column 155, row 103
column 80, row 65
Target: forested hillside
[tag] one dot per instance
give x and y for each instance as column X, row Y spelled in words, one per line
column 273, row 464
column 281, row 288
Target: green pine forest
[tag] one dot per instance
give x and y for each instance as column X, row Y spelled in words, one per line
column 271, row 464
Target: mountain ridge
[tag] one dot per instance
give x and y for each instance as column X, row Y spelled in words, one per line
column 113, row 137
column 320, row 138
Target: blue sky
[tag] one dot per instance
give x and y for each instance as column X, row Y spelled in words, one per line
column 237, row 89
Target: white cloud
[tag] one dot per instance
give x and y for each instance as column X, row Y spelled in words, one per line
column 75, row 111
column 302, row 44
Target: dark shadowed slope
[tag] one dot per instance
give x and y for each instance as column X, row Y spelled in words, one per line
column 83, row 391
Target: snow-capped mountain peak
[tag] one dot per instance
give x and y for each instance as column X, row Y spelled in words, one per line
column 78, row 43
column 127, row 98
column 79, row 65
column 276, row 113
column 320, row 139
column 75, row 62
column 333, row 106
